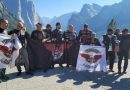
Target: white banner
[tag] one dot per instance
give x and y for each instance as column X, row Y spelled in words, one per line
column 91, row 58
column 9, row 50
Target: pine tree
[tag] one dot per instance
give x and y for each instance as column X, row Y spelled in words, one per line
column 112, row 25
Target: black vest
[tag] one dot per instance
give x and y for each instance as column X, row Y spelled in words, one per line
column 70, row 36
column 107, row 41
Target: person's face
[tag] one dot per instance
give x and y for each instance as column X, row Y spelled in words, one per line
column 19, row 26
column 85, row 28
column 118, row 31
column 48, row 28
column 58, row 27
column 70, row 29
column 39, row 27
column 125, row 33
column 4, row 24
column 110, row 32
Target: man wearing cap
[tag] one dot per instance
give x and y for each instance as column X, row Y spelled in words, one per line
column 38, row 34
column 48, row 32
column 22, row 59
column 124, row 50
column 57, row 33
column 109, row 41
column 57, row 38
column 85, row 35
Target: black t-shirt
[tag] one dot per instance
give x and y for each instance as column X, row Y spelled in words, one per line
column 48, row 34
column 58, row 34
column 124, row 43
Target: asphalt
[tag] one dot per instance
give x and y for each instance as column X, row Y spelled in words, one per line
column 67, row 79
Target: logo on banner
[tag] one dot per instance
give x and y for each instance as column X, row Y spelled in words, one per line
column 57, row 50
column 91, row 55
column 6, row 52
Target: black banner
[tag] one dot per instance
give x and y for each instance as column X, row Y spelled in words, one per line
column 42, row 55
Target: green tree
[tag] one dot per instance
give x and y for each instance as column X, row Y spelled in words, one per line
column 112, row 25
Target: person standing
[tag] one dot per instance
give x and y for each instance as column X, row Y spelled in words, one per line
column 124, row 50
column 3, row 27
column 40, row 37
column 70, row 37
column 85, row 35
column 22, row 59
column 109, row 40
column 57, row 38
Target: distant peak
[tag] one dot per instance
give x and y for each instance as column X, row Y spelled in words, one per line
column 125, row 0
column 86, row 5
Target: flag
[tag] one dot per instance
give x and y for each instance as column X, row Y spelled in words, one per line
column 91, row 58
column 9, row 50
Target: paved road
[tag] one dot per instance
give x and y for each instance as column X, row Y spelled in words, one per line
column 67, row 79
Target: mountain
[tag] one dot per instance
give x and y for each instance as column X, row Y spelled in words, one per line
column 119, row 12
column 63, row 19
column 24, row 10
column 4, row 13
column 84, row 16
column 46, row 20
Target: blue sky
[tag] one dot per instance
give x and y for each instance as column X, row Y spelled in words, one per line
column 51, row 8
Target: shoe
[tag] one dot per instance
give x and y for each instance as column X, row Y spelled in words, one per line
column 112, row 70
column 124, row 72
column 29, row 73
column 19, row 73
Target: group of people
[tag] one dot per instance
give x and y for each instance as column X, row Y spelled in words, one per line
column 117, row 43
column 114, row 42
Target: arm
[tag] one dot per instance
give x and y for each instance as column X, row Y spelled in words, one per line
column 32, row 35
column 78, row 38
column 98, row 43
column 27, row 36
